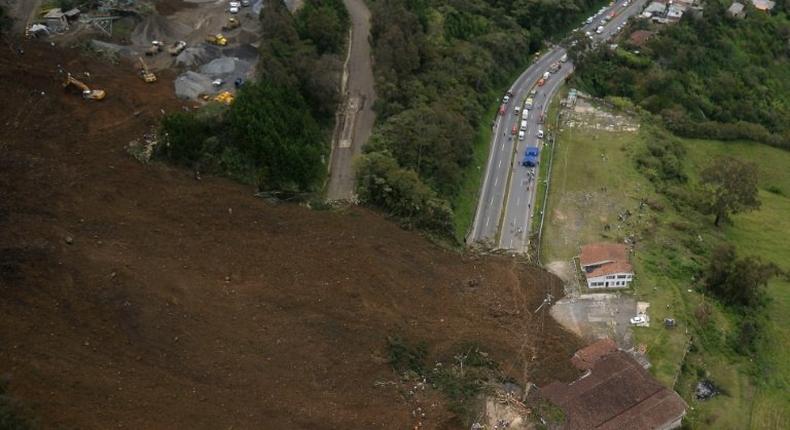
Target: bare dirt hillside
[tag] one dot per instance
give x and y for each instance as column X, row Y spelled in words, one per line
column 138, row 297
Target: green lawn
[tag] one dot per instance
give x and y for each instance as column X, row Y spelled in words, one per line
column 595, row 178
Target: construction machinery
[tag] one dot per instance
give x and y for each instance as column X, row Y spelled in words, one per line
column 177, row 47
column 156, row 47
column 145, row 74
column 225, row 97
column 87, row 93
column 217, row 39
column 232, row 24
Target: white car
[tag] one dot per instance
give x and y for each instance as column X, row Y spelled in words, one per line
column 521, row 135
column 525, row 114
column 234, row 4
column 245, row 3
column 506, row 99
column 599, row 30
column 639, row 319
column 540, row 134
column 233, row 9
column 516, row 110
column 217, row 82
column 589, row 20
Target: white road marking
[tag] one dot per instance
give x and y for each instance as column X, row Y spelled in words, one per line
column 518, row 201
column 496, row 181
column 488, row 219
column 500, row 164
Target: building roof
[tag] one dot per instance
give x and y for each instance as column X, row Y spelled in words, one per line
column 598, row 259
column 616, row 394
column 764, row 4
column 735, row 8
column 585, row 358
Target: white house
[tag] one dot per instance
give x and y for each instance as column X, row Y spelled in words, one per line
column 606, row 265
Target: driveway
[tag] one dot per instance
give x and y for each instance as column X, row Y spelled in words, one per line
column 595, row 316
column 355, row 118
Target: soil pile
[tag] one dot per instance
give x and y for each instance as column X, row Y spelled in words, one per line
column 139, row 297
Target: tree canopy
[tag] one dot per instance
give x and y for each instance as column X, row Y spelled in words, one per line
column 708, row 75
column 738, row 281
column 729, row 186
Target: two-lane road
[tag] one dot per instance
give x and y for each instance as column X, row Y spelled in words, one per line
column 504, row 210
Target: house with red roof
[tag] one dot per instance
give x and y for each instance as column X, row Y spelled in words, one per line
column 606, row 265
column 615, row 393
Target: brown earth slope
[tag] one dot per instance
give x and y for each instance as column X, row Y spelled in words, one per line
column 137, row 297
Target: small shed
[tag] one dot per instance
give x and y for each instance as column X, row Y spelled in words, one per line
column 72, row 14
column 736, row 10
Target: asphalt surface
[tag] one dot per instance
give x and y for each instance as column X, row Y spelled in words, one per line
column 355, row 122
column 504, row 211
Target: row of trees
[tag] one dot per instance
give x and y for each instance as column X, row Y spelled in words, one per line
column 276, row 133
column 439, row 65
column 708, row 76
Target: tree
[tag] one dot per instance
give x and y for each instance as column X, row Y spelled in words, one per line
column 738, row 281
column 729, row 187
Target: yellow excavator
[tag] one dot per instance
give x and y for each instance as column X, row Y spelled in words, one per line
column 146, row 74
column 217, row 39
column 87, row 93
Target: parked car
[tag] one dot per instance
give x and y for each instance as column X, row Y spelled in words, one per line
column 599, row 30
column 517, row 110
column 217, row 82
column 506, row 99
column 639, row 319
column 521, row 135
column 541, row 82
column 540, row 134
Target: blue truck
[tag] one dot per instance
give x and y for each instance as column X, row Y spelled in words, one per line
column 531, row 156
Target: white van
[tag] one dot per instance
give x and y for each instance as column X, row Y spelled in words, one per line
column 521, row 135
column 599, row 30
column 525, row 114
column 540, row 134
column 516, row 110
column 523, row 125
column 546, row 75
column 564, row 58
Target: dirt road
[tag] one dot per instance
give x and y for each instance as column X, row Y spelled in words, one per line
column 356, row 116
column 23, row 13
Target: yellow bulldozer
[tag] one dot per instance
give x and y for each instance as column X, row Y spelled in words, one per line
column 145, row 74
column 225, row 97
column 87, row 93
column 217, row 39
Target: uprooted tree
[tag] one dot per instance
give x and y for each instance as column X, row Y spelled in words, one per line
column 729, row 186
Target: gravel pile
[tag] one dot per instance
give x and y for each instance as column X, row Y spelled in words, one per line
column 190, row 85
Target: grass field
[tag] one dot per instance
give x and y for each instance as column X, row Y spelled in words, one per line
column 595, row 179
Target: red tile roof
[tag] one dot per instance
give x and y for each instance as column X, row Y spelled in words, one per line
column 618, row 393
column 606, row 259
column 586, row 357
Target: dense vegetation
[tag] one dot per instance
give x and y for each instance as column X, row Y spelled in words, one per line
column 276, row 133
column 440, row 64
column 708, row 76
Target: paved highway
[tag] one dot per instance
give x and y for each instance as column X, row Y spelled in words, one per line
column 509, row 188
